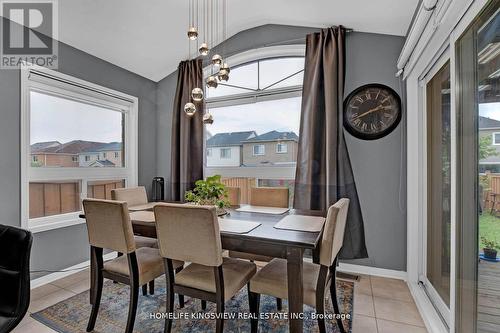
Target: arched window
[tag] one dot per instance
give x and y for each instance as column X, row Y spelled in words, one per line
column 254, row 138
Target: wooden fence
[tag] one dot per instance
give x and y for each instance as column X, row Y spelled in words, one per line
column 491, row 185
column 53, row 198
column 245, row 184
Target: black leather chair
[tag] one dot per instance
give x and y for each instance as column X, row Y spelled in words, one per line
column 15, row 249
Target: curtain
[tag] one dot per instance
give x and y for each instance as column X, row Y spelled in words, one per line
column 324, row 172
column 187, row 132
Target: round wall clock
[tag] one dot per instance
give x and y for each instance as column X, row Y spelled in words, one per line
column 372, row 111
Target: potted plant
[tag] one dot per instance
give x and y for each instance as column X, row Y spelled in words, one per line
column 490, row 248
column 211, row 192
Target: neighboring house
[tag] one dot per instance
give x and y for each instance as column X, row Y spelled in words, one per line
column 271, row 148
column 111, row 152
column 490, row 128
column 225, row 149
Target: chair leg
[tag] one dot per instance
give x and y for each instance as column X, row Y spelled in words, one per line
column 181, row 301
column 169, row 294
column 132, row 310
column 219, row 323
column 144, row 290
column 97, row 284
column 203, row 305
column 333, row 296
column 152, row 287
column 320, row 311
column 279, row 304
column 254, row 301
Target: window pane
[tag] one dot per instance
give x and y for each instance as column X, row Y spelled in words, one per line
column 54, row 198
column 274, row 70
column 245, row 77
column 66, row 133
column 101, row 189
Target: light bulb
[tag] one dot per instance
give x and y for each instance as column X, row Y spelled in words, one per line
column 216, row 60
column 212, row 82
column 197, row 94
column 226, row 67
column 190, row 109
column 223, row 75
column 208, row 118
column 204, row 49
column 192, row 33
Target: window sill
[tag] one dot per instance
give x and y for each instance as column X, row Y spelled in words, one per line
column 47, row 226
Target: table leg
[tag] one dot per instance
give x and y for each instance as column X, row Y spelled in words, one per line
column 295, row 288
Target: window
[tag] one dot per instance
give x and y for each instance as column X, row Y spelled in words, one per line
column 34, row 159
column 496, row 138
column 67, row 121
column 259, row 150
column 117, row 154
column 209, row 152
column 104, row 156
column 258, row 107
column 281, row 148
column 225, row 153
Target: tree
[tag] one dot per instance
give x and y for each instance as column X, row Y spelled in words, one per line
column 485, row 147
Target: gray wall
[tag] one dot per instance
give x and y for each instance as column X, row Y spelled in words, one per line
column 378, row 165
column 65, row 247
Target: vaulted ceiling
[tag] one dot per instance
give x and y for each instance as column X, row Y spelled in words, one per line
column 148, row 37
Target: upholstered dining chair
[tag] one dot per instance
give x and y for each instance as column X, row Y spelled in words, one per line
column 15, row 250
column 135, row 197
column 191, row 234
column 272, row 278
column 109, row 227
column 270, row 197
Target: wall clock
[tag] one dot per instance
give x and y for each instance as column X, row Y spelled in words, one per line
column 372, row 111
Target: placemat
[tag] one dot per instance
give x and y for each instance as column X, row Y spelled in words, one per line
column 301, row 223
column 142, row 217
column 263, row 209
column 237, row 226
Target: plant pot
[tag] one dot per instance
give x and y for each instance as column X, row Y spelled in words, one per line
column 490, row 253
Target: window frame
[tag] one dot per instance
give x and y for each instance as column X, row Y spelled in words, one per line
column 493, row 141
column 46, row 81
column 228, row 157
column 281, row 144
column 263, row 150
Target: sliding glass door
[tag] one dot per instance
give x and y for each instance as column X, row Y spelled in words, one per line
column 438, row 229
column 478, row 174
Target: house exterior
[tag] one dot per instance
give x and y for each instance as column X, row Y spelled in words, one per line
column 226, row 149
column 490, row 128
column 271, row 148
column 105, row 155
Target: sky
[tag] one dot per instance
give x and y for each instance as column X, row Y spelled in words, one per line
column 490, row 110
column 262, row 117
column 63, row 120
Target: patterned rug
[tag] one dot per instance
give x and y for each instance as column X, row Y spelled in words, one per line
column 71, row 315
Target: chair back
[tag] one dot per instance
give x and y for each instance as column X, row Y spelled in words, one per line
column 133, row 196
column 233, row 195
column 108, row 225
column 189, row 233
column 15, row 250
column 269, row 196
column 333, row 233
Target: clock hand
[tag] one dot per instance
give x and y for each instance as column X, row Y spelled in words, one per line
column 378, row 108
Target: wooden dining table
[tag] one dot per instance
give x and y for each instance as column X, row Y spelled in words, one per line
column 269, row 241
column 263, row 240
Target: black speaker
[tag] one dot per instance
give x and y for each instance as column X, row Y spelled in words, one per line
column 158, row 189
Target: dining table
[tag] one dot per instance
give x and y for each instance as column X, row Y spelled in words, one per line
column 263, row 240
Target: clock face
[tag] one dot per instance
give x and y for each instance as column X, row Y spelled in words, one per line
column 372, row 111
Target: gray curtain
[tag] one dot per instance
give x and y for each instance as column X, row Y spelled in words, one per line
column 187, row 132
column 324, row 172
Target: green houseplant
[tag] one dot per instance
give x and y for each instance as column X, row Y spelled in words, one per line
column 211, row 192
column 490, row 248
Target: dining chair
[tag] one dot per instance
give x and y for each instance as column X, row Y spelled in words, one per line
column 109, row 227
column 135, row 197
column 233, row 195
column 318, row 278
column 191, row 234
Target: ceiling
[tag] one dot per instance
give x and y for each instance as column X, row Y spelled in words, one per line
column 148, row 37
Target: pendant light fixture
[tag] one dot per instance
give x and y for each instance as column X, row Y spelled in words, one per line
column 212, row 30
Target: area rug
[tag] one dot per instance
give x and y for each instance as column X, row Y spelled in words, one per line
column 71, row 315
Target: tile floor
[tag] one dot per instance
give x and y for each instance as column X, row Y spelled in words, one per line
column 380, row 305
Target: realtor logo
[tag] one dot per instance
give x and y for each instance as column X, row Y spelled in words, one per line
column 29, row 33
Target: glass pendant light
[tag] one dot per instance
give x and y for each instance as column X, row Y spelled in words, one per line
column 216, row 60
column 225, row 66
column 190, row 109
column 223, row 75
column 208, row 118
column 192, row 33
column 212, row 82
column 204, row 49
column 197, row 94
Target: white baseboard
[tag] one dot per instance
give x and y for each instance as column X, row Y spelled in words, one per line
column 68, row 271
column 368, row 270
column 431, row 319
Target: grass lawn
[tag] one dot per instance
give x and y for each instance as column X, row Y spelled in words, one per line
column 489, row 227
